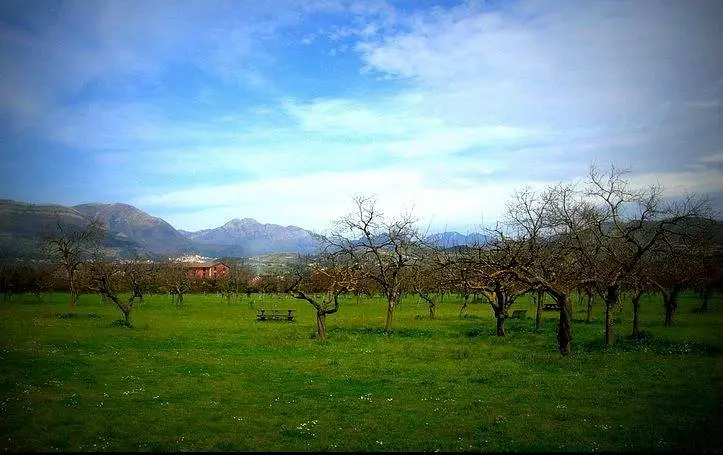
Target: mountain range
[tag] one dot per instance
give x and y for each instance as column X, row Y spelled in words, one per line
column 132, row 232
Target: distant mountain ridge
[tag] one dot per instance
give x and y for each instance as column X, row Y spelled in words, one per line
column 132, row 231
column 249, row 238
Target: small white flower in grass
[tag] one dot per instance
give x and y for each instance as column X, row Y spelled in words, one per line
column 390, row 399
column 380, row 443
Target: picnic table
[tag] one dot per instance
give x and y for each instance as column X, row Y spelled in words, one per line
column 275, row 315
column 518, row 314
column 551, row 306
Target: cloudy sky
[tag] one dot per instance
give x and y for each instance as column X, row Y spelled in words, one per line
column 200, row 112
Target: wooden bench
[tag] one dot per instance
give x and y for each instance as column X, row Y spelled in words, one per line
column 518, row 314
column 551, row 306
column 275, row 315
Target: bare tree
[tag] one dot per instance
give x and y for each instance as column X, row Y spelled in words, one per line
column 623, row 226
column 335, row 280
column 139, row 273
column 379, row 249
column 538, row 251
column 709, row 278
column 486, row 271
column 178, row 280
column 426, row 276
column 71, row 246
column 107, row 279
column 677, row 263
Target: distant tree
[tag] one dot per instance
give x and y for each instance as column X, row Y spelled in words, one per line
column 425, row 277
column 237, row 281
column 709, row 277
column 176, row 278
column 140, row 274
column 9, row 280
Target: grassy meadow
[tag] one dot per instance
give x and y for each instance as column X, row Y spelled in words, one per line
column 209, row 377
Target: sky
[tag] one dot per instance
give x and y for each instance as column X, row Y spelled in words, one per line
column 283, row 111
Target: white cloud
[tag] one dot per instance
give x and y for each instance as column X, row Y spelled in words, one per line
column 706, row 181
column 602, row 67
column 714, row 158
column 312, row 201
column 403, row 126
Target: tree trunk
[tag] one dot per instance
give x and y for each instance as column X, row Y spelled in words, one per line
column 706, row 297
column 636, row 316
column 391, row 305
column 500, row 308
column 127, row 314
column 589, row 308
column 430, row 303
column 671, row 304
column 668, row 310
column 73, row 294
column 464, row 304
column 611, row 298
column 538, row 314
column 321, row 325
column 500, row 315
column 564, row 330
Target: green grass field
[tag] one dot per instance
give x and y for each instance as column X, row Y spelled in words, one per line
column 210, row 377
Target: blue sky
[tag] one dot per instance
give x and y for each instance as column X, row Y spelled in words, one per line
column 200, row 111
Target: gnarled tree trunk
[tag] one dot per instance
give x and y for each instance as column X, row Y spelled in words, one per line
column 391, row 306
column 706, row 297
column 611, row 298
column 430, row 303
column 73, row 298
column 538, row 315
column 321, row 324
column 500, row 308
column 564, row 329
column 636, row 315
column 465, row 298
column 500, row 316
column 670, row 300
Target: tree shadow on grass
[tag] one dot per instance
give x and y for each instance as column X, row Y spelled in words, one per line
column 121, row 323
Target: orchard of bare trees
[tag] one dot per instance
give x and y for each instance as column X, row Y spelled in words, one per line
column 602, row 237
column 599, row 239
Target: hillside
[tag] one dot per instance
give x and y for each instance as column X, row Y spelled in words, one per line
column 127, row 223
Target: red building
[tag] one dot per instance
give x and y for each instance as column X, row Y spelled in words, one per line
column 208, row 270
